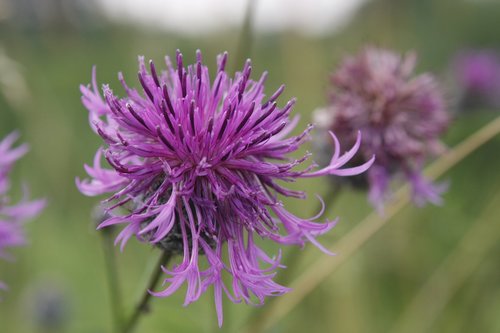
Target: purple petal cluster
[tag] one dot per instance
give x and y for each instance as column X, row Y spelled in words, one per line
column 478, row 75
column 401, row 116
column 198, row 166
column 12, row 216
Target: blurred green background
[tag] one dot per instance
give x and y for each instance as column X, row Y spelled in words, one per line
column 367, row 294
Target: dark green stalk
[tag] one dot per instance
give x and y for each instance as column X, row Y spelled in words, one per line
column 113, row 280
column 143, row 306
column 245, row 41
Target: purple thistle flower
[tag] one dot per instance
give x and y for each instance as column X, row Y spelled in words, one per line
column 12, row 217
column 478, row 75
column 197, row 164
column 400, row 114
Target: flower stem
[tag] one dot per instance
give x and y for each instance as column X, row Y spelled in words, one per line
column 113, row 281
column 245, row 41
column 357, row 237
column 143, row 306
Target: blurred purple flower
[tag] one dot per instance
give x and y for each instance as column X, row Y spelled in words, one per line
column 12, row 217
column 478, row 75
column 198, row 165
column 50, row 307
column 400, row 115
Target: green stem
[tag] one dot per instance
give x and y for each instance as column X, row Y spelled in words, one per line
column 357, row 237
column 113, row 281
column 143, row 306
column 245, row 41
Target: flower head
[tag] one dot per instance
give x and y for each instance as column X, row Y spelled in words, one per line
column 199, row 164
column 401, row 116
column 12, row 217
column 478, row 75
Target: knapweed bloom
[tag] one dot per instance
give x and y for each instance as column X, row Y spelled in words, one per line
column 400, row 114
column 477, row 74
column 199, row 167
column 12, row 216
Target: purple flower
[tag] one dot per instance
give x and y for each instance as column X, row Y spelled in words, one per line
column 49, row 307
column 478, row 75
column 400, row 114
column 12, row 217
column 198, row 168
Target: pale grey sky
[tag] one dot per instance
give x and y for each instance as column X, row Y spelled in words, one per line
column 311, row 17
